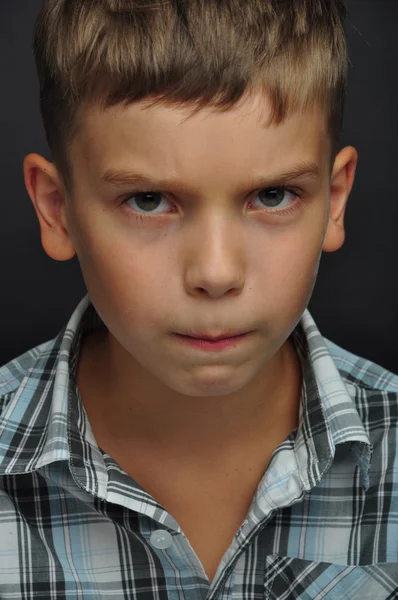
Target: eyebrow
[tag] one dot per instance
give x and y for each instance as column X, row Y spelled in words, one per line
column 121, row 178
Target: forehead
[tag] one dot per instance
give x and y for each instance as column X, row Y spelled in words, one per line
column 170, row 142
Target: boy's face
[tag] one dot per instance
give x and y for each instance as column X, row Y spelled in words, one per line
column 210, row 254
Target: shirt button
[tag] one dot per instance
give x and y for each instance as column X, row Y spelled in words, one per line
column 161, row 539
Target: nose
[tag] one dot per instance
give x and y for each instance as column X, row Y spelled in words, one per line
column 215, row 264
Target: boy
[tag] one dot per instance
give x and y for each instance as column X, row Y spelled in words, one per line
column 139, row 459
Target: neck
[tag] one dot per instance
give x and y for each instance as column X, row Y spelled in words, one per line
column 128, row 409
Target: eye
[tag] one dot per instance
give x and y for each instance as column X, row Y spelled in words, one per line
column 272, row 199
column 146, row 201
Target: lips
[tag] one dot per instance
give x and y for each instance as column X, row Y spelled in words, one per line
column 215, row 338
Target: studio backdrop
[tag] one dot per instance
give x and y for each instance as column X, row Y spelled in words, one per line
column 355, row 300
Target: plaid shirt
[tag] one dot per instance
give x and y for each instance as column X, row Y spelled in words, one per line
column 323, row 522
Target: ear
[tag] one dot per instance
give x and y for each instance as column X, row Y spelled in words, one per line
column 46, row 192
column 342, row 180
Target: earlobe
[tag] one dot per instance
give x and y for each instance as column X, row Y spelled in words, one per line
column 342, row 180
column 45, row 191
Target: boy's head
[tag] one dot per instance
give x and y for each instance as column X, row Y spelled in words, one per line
column 221, row 98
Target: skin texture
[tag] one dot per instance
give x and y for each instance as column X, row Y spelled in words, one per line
column 208, row 258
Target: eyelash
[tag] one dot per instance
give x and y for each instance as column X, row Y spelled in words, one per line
column 297, row 204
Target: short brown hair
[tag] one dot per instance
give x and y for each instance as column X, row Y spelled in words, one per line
column 187, row 52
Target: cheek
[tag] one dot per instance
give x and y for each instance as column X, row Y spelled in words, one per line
column 290, row 273
column 127, row 277
column 130, row 288
column 288, row 256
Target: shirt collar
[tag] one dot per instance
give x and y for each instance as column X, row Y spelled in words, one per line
column 44, row 420
column 329, row 413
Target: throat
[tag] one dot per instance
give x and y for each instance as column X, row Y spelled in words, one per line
column 185, row 425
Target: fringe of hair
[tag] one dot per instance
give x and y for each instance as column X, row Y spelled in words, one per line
column 187, row 53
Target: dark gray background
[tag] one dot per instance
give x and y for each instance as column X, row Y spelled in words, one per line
column 355, row 298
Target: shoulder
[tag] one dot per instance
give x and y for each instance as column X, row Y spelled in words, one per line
column 26, row 372
column 362, row 371
column 373, row 388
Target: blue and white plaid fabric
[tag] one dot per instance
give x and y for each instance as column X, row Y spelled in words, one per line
column 322, row 524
